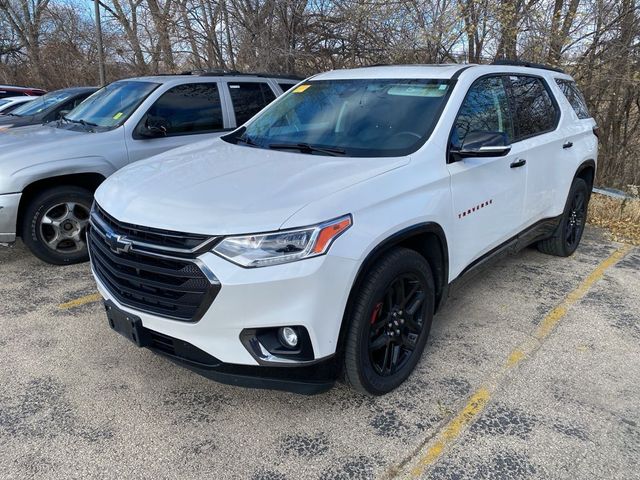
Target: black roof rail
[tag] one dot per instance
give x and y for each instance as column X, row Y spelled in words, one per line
column 231, row 73
column 236, row 73
column 523, row 63
column 414, row 65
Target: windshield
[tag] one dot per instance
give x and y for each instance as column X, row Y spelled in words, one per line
column 111, row 106
column 42, row 103
column 358, row 118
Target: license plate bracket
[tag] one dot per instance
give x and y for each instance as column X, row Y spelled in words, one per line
column 127, row 325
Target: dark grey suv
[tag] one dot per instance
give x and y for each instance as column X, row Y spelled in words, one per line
column 46, row 108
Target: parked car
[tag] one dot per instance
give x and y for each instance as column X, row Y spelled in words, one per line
column 47, row 108
column 323, row 235
column 8, row 104
column 15, row 91
column 48, row 173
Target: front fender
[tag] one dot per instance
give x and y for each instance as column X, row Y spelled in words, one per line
column 18, row 180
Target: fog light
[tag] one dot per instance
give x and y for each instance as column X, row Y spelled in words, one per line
column 288, row 337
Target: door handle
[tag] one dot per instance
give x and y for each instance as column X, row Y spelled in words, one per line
column 567, row 145
column 519, row 163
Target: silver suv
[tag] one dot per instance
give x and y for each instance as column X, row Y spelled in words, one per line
column 48, row 173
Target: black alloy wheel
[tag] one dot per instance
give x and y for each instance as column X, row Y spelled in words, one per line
column 389, row 319
column 575, row 223
column 396, row 323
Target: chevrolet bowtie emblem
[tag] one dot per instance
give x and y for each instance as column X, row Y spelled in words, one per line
column 117, row 243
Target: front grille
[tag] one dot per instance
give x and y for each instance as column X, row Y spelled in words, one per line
column 164, row 285
column 154, row 237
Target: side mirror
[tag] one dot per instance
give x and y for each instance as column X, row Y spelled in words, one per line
column 154, row 127
column 482, row 144
column 63, row 113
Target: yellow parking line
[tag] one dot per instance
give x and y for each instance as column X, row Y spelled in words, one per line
column 452, row 430
column 550, row 321
column 515, row 357
column 94, row 297
column 479, row 400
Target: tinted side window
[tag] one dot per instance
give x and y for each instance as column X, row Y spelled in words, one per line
column 79, row 99
column 189, row 109
column 485, row 109
column 575, row 97
column 65, row 107
column 71, row 104
column 534, row 111
column 285, row 86
column 249, row 98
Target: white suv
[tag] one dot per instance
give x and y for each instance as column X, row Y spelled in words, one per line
column 321, row 237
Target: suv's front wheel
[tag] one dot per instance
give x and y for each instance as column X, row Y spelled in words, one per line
column 54, row 225
column 390, row 322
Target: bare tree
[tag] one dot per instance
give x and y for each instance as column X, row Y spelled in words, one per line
column 27, row 19
column 51, row 43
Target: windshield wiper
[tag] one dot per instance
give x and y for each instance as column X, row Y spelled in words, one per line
column 238, row 136
column 80, row 122
column 306, row 148
column 247, row 141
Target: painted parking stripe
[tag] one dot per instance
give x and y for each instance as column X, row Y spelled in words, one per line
column 452, row 430
column 94, row 297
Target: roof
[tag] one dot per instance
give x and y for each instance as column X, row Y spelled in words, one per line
column 436, row 72
column 21, row 98
column 207, row 76
column 443, row 71
column 77, row 89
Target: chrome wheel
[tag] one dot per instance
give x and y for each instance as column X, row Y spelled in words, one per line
column 63, row 227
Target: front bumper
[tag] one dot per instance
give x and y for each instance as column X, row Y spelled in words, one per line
column 304, row 380
column 311, row 293
column 308, row 379
column 9, row 204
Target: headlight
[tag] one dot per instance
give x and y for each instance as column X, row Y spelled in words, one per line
column 285, row 246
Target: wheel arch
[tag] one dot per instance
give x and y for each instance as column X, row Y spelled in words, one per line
column 89, row 180
column 429, row 240
column 587, row 171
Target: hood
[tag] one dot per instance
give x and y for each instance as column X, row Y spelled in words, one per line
column 216, row 188
column 33, row 140
column 9, row 121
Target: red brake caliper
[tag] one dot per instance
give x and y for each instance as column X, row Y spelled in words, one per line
column 376, row 313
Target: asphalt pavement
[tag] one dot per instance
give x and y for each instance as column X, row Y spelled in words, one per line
column 532, row 371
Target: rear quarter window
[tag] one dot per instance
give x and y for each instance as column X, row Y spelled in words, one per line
column 575, row 97
column 286, row 86
column 535, row 111
column 249, row 98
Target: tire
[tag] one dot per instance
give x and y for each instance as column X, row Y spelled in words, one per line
column 372, row 323
column 54, row 225
column 568, row 234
